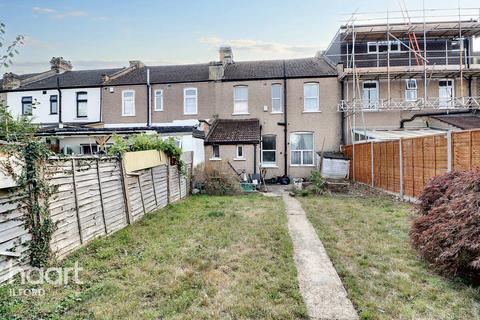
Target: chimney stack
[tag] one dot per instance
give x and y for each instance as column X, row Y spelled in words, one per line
column 226, row 55
column 60, row 65
column 10, row 81
column 136, row 64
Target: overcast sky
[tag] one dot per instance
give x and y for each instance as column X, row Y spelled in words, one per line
column 108, row 33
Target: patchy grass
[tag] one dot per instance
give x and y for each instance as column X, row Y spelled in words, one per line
column 204, row 258
column 367, row 239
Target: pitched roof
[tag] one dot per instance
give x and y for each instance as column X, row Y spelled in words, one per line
column 461, row 121
column 241, row 70
column 165, row 74
column 69, row 79
column 307, row 67
column 231, row 131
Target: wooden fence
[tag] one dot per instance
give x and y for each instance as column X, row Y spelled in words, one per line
column 404, row 166
column 94, row 197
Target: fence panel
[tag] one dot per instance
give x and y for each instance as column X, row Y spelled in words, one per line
column 422, row 158
column 91, row 199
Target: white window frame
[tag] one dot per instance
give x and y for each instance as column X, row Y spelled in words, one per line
column 185, row 100
column 388, row 43
column 316, row 84
column 280, row 99
column 372, row 106
column 235, row 100
column 273, row 163
column 410, row 89
column 123, row 103
column 156, row 106
column 238, row 156
column 302, row 164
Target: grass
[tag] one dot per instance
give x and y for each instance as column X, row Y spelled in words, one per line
column 204, row 258
column 367, row 239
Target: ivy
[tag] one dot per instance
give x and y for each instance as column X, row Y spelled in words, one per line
column 143, row 142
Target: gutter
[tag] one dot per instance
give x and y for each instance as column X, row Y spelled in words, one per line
column 402, row 122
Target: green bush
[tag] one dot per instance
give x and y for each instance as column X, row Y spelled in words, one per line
column 319, row 184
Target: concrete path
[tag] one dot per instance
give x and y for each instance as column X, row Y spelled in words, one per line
column 320, row 285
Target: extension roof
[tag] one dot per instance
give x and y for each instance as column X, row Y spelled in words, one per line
column 233, row 131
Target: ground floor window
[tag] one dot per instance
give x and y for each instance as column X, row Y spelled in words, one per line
column 301, row 145
column 240, row 152
column 216, row 151
column 269, row 150
column 89, row 149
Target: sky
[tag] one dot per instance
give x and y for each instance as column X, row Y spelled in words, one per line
column 106, row 33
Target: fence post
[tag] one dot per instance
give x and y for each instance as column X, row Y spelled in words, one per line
column 101, row 197
column 179, row 183
column 168, row 184
column 373, row 164
column 449, row 152
column 153, row 186
column 141, row 192
column 125, row 191
column 400, row 152
column 77, row 212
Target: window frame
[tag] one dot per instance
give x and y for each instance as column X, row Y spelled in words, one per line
column 56, row 102
column 302, row 151
column 123, row 103
column 269, row 163
column 78, row 93
column 217, row 146
column 412, row 90
column 317, row 97
column 235, row 100
column 185, row 101
column 371, row 106
column 156, row 108
column 238, row 155
column 389, row 43
column 25, row 103
column 280, row 99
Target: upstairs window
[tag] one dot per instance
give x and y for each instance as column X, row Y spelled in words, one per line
column 53, row 104
column 158, row 100
column 240, row 100
column 411, row 89
column 128, row 103
column 190, row 101
column 311, row 93
column 82, row 105
column 27, row 106
column 277, row 92
column 383, row 46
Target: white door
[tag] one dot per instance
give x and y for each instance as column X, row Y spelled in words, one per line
column 370, row 94
column 445, row 93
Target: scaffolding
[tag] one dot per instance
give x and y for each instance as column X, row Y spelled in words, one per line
column 403, row 36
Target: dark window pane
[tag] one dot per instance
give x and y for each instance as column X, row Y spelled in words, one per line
column 269, row 143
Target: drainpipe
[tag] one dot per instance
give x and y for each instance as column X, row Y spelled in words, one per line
column 60, row 123
column 342, row 117
column 285, row 121
column 149, row 102
column 254, row 158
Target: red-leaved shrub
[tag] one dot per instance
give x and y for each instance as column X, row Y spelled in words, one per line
column 447, row 230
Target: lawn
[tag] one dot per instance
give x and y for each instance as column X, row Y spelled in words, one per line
column 204, row 258
column 367, row 239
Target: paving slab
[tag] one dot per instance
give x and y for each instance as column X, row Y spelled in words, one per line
column 320, row 285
